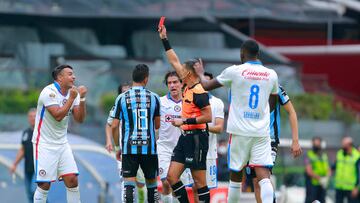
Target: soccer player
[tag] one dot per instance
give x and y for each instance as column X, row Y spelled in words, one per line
column 139, row 112
column 251, row 85
column 216, row 127
column 193, row 144
column 26, row 152
column 169, row 134
column 282, row 99
column 140, row 179
column 52, row 153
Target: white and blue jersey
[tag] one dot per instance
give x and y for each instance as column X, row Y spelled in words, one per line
column 137, row 109
column 283, row 99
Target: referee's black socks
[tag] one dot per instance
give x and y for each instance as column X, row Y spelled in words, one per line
column 204, row 195
column 180, row 192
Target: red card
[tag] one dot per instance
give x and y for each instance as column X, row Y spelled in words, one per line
column 161, row 22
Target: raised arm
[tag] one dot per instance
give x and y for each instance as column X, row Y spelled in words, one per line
column 79, row 111
column 58, row 112
column 207, row 84
column 170, row 53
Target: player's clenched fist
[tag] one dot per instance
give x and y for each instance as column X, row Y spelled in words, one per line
column 73, row 92
column 82, row 91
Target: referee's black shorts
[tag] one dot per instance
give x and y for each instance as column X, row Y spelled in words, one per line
column 191, row 149
column 148, row 164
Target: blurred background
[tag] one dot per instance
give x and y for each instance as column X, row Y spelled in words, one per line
column 314, row 45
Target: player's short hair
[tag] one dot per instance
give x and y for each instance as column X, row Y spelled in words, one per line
column 210, row 75
column 170, row 74
column 189, row 64
column 141, row 71
column 33, row 109
column 316, row 138
column 251, row 47
column 120, row 87
column 57, row 70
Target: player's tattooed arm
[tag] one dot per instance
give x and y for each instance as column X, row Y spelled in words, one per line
column 79, row 111
column 58, row 112
column 170, row 53
column 207, row 84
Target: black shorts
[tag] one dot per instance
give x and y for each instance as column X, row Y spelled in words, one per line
column 250, row 172
column 148, row 164
column 191, row 150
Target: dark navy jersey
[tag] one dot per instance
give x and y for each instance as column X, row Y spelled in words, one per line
column 28, row 150
column 137, row 109
column 283, row 98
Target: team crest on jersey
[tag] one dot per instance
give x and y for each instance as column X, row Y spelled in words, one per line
column 42, row 173
column 177, row 108
column 52, row 95
column 64, row 101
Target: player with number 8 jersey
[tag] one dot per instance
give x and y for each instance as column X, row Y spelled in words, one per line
column 251, row 85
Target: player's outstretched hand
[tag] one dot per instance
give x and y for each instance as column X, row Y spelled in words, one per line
column 12, row 169
column 199, row 67
column 118, row 155
column 73, row 92
column 162, row 32
column 296, row 149
column 82, row 91
column 177, row 122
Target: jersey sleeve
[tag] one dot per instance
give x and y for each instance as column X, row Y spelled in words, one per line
column 219, row 110
column 109, row 120
column 226, row 76
column 283, row 97
column 117, row 108
column 201, row 100
column 275, row 88
column 48, row 97
column 157, row 106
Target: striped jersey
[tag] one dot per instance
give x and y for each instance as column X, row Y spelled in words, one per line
column 283, row 99
column 137, row 109
column 47, row 129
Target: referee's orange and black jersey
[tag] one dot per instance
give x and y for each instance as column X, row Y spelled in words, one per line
column 194, row 99
column 137, row 109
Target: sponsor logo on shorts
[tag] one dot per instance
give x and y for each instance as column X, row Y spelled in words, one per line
column 42, row 173
column 189, row 160
column 161, row 171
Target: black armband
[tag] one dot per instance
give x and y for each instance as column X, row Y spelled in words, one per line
column 190, row 121
column 166, row 44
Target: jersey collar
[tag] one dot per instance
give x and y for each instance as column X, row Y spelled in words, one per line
column 170, row 98
column 57, row 85
column 254, row 62
column 137, row 87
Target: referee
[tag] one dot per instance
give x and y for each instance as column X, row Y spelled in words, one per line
column 193, row 145
column 139, row 111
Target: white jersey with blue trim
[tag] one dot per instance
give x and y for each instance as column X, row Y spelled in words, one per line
column 168, row 134
column 251, row 85
column 47, row 129
column 217, row 111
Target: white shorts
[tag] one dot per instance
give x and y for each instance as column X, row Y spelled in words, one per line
column 52, row 162
column 164, row 164
column 211, row 173
column 253, row 150
column 140, row 178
